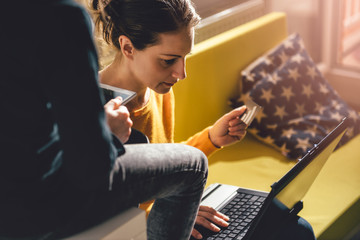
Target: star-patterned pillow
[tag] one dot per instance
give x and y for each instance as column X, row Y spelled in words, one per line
column 299, row 105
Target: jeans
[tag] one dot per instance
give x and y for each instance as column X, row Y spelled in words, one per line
column 172, row 174
column 298, row 229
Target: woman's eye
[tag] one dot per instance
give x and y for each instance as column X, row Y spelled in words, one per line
column 169, row 61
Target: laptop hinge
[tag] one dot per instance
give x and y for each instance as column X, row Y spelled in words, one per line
column 297, row 208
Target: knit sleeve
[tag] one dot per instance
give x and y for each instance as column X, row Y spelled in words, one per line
column 202, row 141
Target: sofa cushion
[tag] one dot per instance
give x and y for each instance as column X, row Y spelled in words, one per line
column 299, row 105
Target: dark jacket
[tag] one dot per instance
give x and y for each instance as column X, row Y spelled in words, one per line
column 55, row 148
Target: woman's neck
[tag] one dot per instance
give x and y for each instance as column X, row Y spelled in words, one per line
column 118, row 74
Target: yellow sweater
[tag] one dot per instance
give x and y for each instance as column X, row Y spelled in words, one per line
column 156, row 120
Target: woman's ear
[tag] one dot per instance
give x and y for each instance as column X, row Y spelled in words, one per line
column 126, row 46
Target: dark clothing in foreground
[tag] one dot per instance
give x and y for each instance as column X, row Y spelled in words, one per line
column 54, row 149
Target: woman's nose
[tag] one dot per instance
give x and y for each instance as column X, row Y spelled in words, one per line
column 179, row 70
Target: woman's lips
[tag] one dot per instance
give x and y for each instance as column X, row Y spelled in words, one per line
column 169, row 84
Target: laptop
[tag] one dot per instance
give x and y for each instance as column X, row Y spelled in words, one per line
column 256, row 214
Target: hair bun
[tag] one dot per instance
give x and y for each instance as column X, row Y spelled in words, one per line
column 100, row 4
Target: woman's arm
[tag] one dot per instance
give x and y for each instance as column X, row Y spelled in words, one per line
column 226, row 131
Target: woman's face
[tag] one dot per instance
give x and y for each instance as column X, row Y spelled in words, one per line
column 160, row 66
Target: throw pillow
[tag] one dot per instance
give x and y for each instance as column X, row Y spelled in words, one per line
column 299, row 105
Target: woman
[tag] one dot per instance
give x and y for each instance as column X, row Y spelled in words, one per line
column 152, row 39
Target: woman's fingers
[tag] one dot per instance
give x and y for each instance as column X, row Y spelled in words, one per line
column 211, row 219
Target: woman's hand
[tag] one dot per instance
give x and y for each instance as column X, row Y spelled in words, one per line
column 118, row 119
column 210, row 219
column 228, row 129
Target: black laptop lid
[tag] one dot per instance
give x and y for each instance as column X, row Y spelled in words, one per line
column 285, row 197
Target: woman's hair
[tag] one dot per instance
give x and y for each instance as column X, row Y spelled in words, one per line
column 142, row 20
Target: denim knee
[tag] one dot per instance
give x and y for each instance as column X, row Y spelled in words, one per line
column 200, row 162
column 305, row 229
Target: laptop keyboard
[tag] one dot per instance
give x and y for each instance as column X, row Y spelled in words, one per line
column 241, row 210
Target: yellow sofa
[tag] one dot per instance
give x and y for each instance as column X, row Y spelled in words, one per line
column 332, row 205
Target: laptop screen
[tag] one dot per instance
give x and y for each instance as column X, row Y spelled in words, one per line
column 295, row 184
column 285, row 198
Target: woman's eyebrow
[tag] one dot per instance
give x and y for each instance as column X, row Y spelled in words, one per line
column 174, row 55
column 171, row 55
